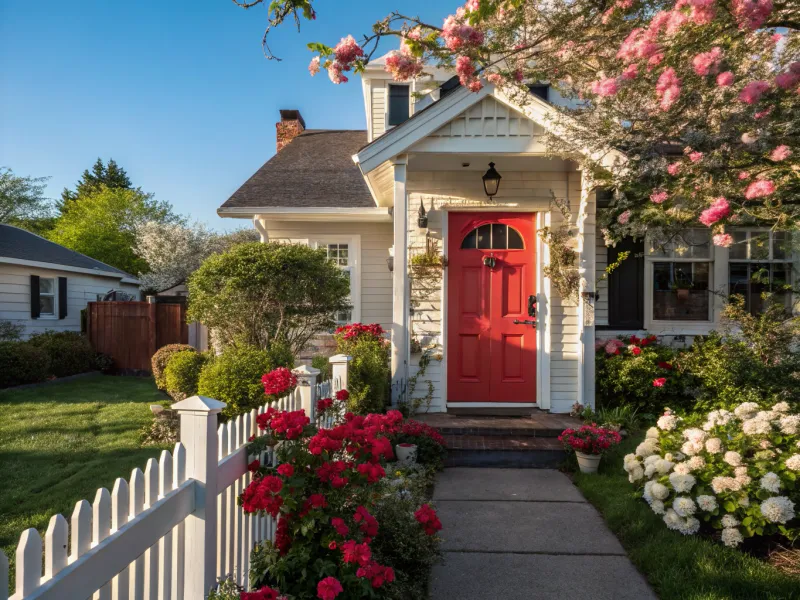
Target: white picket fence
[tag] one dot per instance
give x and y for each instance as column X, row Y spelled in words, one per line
column 161, row 535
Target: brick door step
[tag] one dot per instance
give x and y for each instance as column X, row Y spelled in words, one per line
column 537, row 424
column 503, row 451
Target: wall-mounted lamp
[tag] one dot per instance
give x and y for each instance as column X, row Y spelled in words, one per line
column 422, row 216
column 390, row 260
column 491, row 181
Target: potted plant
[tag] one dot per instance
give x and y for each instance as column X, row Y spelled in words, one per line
column 406, row 453
column 681, row 288
column 589, row 442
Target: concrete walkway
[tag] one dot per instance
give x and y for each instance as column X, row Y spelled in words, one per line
column 525, row 534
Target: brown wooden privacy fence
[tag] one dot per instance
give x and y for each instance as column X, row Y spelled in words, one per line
column 131, row 332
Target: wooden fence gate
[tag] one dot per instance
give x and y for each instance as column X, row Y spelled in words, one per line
column 131, row 332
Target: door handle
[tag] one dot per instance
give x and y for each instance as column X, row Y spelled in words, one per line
column 525, row 322
column 532, row 305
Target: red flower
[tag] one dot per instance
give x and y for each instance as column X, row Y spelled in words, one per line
column 589, row 439
column 377, row 574
column 372, row 472
column 356, row 553
column 332, row 545
column 427, row 517
column 286, row 470
column 265, row 593
column 340, row 526
column 342, row 395
column 278, row 381
column 283, row 539
column 659, row 382
column 665, row 365
column 329, row 588
column 317, row 501
column 254, row 466
column 636, row 351
column 368, row 523
column 355, row 330
column 324, row 404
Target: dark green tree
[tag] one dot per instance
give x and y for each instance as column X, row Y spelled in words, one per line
column 23, row 203
column 110, row 175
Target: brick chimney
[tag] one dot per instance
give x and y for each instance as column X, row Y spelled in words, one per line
column 289, row 127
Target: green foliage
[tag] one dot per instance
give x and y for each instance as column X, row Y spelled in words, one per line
column 22, row 199
column 10, row 331
column 110, row 176
column 102, row 225
column 234, row 377
column 22, row 363
column 368, row 373
column 183, row 373
column 325, row 367
column 161, row 358
column 753, row 358
column 69, row 351
column 227, row 589
column 258, row 293
column 625, row 417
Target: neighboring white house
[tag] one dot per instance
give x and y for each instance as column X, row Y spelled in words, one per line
column 44, row 286
column 344, row 190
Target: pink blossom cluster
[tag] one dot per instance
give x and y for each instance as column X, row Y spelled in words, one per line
column 759, row 189
column 465, row 70
column 707, row 62
column 459, row 35
column 346, row 52
column 702, row 11
column 402, row 64
column 753, row 91
column 674, row 168
column 780, row 153
column 668, row 88
column 719, row 209
column 723, row 240
column 659, row 196
column 725, row 79
column 605, row 87
column 790, row 78
column 751, row 14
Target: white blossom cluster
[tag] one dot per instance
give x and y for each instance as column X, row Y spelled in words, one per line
column 728, row 450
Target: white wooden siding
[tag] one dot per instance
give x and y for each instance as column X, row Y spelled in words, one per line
column 490, row 118
column 379, row 107
column 15, row 296
column 601, row 262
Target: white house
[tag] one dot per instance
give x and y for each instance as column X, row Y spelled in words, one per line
column 358, row 194
column 44, row 286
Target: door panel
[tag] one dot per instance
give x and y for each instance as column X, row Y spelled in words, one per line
column 492, row 359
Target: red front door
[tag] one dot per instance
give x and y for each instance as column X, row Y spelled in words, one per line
column 491, row 283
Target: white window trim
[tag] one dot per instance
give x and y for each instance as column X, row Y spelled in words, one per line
column 54, row 294
column 354, row 259
column 411, row 90
column 685, row 327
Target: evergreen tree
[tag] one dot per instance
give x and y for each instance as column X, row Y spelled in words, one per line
column 110, row 175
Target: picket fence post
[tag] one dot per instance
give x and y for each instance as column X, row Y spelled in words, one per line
column 199, row 435
column 307, row 386
column 340, row 363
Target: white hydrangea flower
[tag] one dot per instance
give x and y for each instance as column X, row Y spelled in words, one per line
column 684, row 506
column 695, row 435
column 707, row 503
column 663, row 466
column 714, row 445
column 689, row 526
column 647, row 494
column 756, row 427
column 767, row 415
column 729, row 521
column 746, row 410
column 651, row 460
column 660, row 491
column 668, row 456
column 731, row 537
column 692, row 448
column 630, row 458
column 744, row 501
column 672, row 520
column 781, row 407
column 696, row 462
column 652, row 433
column 681, row 483
column 793, row 462
column 764, row 444
column 683, row 468
column 657, row 506
column 778, row 509
column 635, row 474
column 771, row 482
column 741, row 476
column 667, row 422
column 790, row 425
column 647, row 448
column 734, row 459
column 722, row 484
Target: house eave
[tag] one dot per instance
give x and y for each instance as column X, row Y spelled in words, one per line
column 290, row 213
column 122, row 277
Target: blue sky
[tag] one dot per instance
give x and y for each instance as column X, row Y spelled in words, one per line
column 178, row 93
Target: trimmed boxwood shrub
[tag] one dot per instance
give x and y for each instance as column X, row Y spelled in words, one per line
column 69, row 351
column 22, row 363
column 234, row 377
column 183, row 373
column 161, row 358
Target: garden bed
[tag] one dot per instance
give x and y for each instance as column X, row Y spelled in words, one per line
column 679, row 567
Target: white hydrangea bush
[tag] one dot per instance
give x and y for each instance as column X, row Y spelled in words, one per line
column 735, row 471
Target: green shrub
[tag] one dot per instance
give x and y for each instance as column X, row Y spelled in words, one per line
column 10, row 331
column 160, row 360
column 234, row 377
column 70, row 352
column 368, row 372
column 21, row 363
column 183, row 373
column 325, row 367
column 626, row 371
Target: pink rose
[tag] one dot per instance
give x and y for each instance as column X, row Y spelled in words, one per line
column 719, row 209
column 759, row 189
column 723, row 240
column 725, row 79
column 780, row 153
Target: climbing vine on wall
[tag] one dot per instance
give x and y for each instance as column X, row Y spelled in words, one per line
column 562, row 270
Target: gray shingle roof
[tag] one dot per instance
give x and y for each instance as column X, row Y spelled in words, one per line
column 314, row 170
column 24, row 245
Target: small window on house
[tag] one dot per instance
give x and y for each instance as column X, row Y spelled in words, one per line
column 760, row 261
column 539, row 90
column 681, row 277
column 398, row 104
column 495, row 236
column 47, row 297
column 340, row 255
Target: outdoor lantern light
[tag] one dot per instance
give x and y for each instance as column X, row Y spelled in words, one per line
column 491, row 181
column 422, row 216
column 390, row 259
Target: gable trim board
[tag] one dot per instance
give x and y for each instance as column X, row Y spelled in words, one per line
column 56, row 267
column 327, row 214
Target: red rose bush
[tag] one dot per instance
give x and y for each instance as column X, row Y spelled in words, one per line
column 589, row 439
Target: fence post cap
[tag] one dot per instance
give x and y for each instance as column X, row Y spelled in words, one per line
column 306, row 371
column 340, row 358
column 201, row 404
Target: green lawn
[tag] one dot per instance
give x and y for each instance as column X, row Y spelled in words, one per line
column 59, row 443
column 678, row 567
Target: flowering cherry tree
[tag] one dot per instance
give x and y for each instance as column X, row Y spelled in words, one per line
column 700, row 95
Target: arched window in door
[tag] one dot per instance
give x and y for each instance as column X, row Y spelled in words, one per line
column 493, row 236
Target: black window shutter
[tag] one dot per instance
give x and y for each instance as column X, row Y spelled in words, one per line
column 626, row 286
column 398, row 104
column 62, row 297
column 35, row 308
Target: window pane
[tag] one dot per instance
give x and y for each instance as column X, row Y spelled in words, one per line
column 739, row 279
column 47, row 305
column 692, row 243
column 738, row 251
column 680, row 291
column 343, row 255
column 759, row 245
column 515, row 240
column 470, row 241
column 46, row 286
column 485, row 237
column 398, row 104
column 499, row 236
column 781, row 246
column 781, row 284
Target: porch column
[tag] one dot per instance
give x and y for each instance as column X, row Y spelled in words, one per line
column 586, row 303
column 400, row 280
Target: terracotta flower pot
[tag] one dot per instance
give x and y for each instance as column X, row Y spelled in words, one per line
column 406, row 453
column 588, row 462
